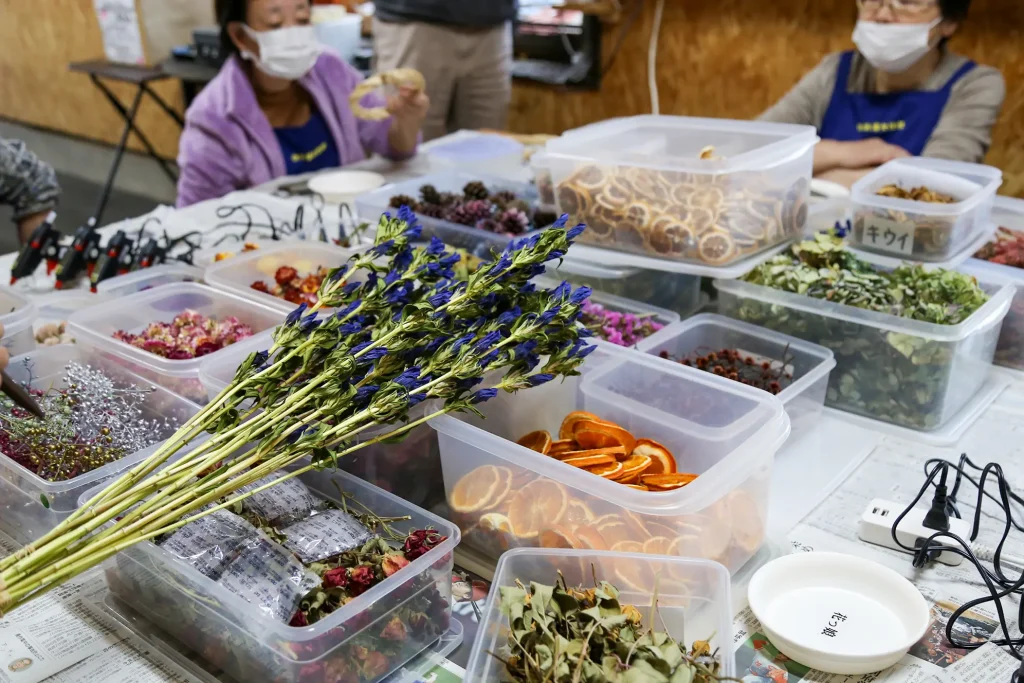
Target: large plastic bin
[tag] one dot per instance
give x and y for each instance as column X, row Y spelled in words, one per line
column 676, row 292
column 693, row 599
column 641, row 187
column 477, row 242
column 148, row 278
column 809, row 364
column 728, row 434
column 911, row 373
column 237, row 274
column 923, row 231
column 16, row 315
column 95, row 327
column 236, row 636
column 1007, row 213
column 22, row 513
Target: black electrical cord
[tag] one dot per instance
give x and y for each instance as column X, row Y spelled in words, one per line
column 998, row 584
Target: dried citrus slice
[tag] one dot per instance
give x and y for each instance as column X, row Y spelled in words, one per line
column 565, row 431
column 586, row 459
column 494, row 521
column 747, row 527
column 663, row 462
column 657, row 545
column 716, row 248
column 537, row 505
column 659, row 529
column 634, row 466
column 558, row 537
column 562, row 446
column 608, row 471
column 589, row 537
column 667, row 482
column 473, row 492
column 539, row 441
column 635, row 575
column 628, row 547
column 603, row 435
column 638, row 487
column 615, row 452
column 616, row 530
column 578, row 513
column 591, row 438
column 501, row 492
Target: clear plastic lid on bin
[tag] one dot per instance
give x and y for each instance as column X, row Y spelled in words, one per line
column 951, row 217
column 148, row 278
column 16, row 315
column 704, row 193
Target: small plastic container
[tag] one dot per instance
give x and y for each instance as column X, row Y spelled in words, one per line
column 727, row 434
column 911, row 373
column 236, row 636
column 16, row 315
column 1007, row 213
column 22, row 513
column 239, row 273
column 148, row 278
column 809, row 364
column 641, row 186
column 57, row 307
column 479, row 243
column 693, row 599
column 923, row 231
column 95, row 327
column 674, row 292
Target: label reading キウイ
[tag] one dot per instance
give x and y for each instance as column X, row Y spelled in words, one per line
column 888, row 235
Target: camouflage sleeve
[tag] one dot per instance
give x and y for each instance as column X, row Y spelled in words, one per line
column 26, row 182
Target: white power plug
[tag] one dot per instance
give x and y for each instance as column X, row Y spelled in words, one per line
column 876, row 527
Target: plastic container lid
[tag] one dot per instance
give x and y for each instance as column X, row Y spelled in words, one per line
column 618, row 259
column 838, row 613
column 950, row 177
column 147, row 278
column 341, row 187
column 16, row 312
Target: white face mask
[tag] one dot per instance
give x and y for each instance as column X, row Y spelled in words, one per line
column 285, row 52
column 893, row 48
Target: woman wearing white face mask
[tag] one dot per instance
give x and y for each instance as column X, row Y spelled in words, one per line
column 279, row 106
column 901, row 93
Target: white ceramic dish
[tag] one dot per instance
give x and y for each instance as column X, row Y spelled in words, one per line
column 342, row 187
column 838, row 613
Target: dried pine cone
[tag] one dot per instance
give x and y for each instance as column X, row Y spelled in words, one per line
column 476, row 190
column 504, row 198
column 470, row 213
column 514, row 221
column 449, row 199
column 430, row 195
column 400, row 200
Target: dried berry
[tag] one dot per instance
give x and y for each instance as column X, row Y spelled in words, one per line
column 430, row 195
column 400, row 200
column 768, row 376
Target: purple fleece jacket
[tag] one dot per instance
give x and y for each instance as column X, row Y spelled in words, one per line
column 228, row 143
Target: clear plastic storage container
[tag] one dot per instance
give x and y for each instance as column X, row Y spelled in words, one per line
column 56, row 307
column 480, row 243
column 674, row 292
column 16, row 315
column 238, row 274
column 95, row 327
column 22, row 513
column 693, row 599
column 808, row 364
column 725, row 433
column 923, row 231
column 641, row 185
column 542, row 181
column 911, row 373
column 236, row 635
column 148, row 278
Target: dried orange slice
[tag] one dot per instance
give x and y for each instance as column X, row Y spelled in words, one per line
column 494, row 521
column 536, row 506
column 659, row 529
column 608, row 471
column 565, row 431
column 633, row 467
column 615, row 452
column 602, row 435
column 636, row 575
column 474, row 491
column 558, row 537
column 716, row 248
column 638, row 487
column 539, row 441
column 663, row 462
column 591, row 438
column 585, row 459
column 657, row 545
column 578, row 513
column 747, row 527
column 628, row 547
column 667, row 482
column 501, row 492
column 589, row 537
column 615, row 531
column 562, row 446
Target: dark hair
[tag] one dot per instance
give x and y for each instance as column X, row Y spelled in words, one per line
column 229, row 11
column 954, row 10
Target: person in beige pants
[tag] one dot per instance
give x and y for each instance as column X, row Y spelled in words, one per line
column 463, row 48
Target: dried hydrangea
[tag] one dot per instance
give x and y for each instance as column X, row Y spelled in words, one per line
column 189, row 335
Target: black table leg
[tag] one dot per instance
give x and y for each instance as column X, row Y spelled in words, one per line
column 166, row 107
column 118, row 154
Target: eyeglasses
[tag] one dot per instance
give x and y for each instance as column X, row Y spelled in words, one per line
column 906, row 8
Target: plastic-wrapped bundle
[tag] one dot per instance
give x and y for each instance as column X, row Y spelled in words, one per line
column 268, row 576
column 210, row 542
column 325, row 535
column 285, row 502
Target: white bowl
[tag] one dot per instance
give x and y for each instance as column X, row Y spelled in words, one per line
column 342, row 187
column 838, row 613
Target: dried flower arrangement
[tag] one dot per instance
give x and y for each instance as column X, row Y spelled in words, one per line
column 292, row 287
column 189, row 335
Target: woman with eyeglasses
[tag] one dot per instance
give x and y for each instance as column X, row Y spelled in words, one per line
column 900, row 93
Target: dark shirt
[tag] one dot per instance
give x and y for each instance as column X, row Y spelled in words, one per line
column 471, row 13
column 309, row 147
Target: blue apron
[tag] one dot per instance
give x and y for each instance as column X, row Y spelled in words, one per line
column 907, row 119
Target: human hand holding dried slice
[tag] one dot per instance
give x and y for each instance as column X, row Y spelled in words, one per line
column 410, row 78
